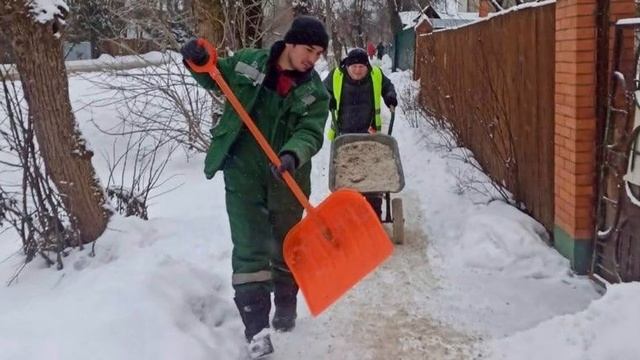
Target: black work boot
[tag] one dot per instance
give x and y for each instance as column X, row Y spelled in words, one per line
column 254, row 305
column 284, row 298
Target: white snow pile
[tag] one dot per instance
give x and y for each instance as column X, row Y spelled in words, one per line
column 606, row 330
column 503, row 239
column 137, row 299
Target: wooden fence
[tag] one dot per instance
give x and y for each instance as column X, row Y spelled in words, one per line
column 494, row 82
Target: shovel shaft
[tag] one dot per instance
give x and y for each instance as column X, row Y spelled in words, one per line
column 212, row 70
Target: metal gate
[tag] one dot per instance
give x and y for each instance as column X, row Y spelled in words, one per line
column 617, row 234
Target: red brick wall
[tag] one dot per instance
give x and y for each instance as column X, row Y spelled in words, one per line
column 575, row 111
column 575, row 117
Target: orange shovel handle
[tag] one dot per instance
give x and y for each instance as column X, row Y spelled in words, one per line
column 210, row 68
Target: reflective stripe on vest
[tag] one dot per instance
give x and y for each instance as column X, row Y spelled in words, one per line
column 376, row 80
column 250, row 72
column 376, row 77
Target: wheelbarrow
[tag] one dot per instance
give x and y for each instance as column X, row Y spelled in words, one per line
column 370, row 164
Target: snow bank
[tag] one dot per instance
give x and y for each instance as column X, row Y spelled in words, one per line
column 134, row 300
column 606, row 330
column 503, row 239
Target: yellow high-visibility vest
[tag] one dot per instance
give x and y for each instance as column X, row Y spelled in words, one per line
column 376, row 80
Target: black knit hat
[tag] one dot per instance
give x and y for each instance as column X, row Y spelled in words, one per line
column 307, row 30
column 356, row 56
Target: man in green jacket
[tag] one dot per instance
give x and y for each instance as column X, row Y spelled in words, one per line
column 287, row 100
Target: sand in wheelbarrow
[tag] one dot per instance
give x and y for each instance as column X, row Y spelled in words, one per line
column 367, row 166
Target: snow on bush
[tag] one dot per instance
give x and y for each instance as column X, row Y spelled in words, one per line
column 47, row 10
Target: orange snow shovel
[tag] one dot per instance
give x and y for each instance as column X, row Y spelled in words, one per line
column 337, row 243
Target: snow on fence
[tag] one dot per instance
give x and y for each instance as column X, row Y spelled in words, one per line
column 493, row 80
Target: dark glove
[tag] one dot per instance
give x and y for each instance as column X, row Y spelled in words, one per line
column 194, row 52
column 390, row 101
column 288, row 162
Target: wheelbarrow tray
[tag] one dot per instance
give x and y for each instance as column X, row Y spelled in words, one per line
column 375, row 183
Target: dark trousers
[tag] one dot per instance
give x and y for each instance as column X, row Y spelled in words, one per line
column 376, row 203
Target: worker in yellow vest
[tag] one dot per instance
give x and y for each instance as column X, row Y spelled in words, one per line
column 357, row 90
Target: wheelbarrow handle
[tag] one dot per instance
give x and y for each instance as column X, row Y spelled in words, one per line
column 210, row 68
column 393, row 118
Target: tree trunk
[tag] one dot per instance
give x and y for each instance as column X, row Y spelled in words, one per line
column 208, row 16
column 396, row 23
column 335, row 42
column 38, row 54
column 361, row 38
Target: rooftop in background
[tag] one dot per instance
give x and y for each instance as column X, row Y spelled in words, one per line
column 409, row 18
column 440, row 19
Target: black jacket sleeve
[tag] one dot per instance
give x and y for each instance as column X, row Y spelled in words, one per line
column 388, row 90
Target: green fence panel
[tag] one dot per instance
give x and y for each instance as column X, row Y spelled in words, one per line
column 404, row 48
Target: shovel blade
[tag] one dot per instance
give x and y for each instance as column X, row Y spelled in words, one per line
column 326, row 266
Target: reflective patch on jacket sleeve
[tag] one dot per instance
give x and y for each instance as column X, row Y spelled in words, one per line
column 309, row 99
column 250, row 72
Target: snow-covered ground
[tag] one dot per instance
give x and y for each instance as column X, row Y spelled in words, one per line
column 474, row 278
column 105, row 61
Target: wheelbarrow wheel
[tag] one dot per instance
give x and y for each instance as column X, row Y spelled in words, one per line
column 398, row 221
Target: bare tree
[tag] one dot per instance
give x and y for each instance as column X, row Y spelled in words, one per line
column 166, row 23
column 358, row 10
column 29, row 203
column 302, row 7
column 161, row 101
column 336, row 41
column 229, row 24
column 135, row 171
column 209, row 20
column 394, row 16
column 36, row 44
column 252, row 24
column 93, row 21
column 358, row 22
column 244, row 22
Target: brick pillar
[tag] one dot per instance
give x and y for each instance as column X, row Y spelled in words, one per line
column 575, row 126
